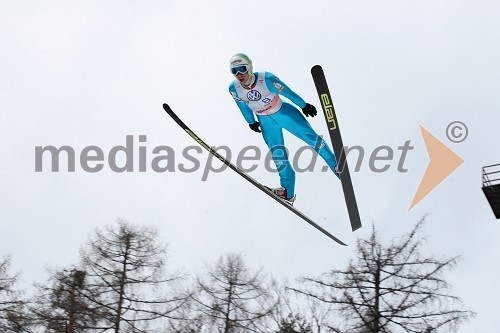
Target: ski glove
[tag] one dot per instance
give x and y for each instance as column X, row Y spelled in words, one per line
column 255, row 127
column 309, row 110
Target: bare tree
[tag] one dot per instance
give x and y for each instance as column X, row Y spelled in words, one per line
column 298, row 312
column 293, row 324
column 390, row 289
column 13, row 317
column 232, row 299
column 187, row 323
column 63, row 306
column 125, row 269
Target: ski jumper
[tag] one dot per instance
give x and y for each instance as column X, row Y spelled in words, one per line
column 262, row 98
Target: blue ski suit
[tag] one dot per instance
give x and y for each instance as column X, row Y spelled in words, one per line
column 262, row 98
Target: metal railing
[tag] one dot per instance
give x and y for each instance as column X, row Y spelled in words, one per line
column 488, row 171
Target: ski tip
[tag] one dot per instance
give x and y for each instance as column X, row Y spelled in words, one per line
column 316, row 68
column 167, row 108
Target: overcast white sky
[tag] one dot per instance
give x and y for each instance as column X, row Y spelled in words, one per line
column 84, row 73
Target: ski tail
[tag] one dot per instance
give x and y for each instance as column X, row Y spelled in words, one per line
column 247, row 177
column 337, row 144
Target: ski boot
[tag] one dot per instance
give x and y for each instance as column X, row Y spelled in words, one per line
column 281, row 192
column 336, row 171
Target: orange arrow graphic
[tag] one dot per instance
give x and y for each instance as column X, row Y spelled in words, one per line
column 442, row 162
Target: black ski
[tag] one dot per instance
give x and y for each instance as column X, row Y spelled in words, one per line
column 338, row 147
column 247, row 177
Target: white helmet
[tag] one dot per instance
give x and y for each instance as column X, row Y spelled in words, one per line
column 240, row 63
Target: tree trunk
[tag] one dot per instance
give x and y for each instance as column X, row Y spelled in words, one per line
column 376, row 314
column 228, row 312
column 123, row 277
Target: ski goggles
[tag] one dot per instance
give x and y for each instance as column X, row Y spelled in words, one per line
column 239, row 70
